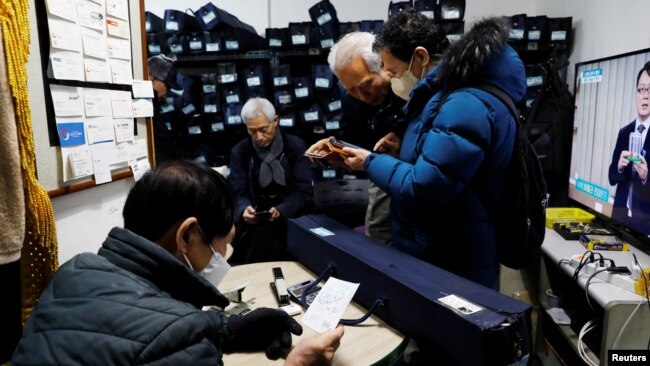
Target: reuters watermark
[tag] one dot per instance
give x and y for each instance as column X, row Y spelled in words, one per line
column 628, row 357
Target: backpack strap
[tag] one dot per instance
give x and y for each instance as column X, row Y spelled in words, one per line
column 501, row 95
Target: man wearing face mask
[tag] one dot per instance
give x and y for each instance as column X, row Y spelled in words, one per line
column 450, row 170
column 139, row 300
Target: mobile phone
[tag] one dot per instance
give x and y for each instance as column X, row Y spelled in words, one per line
column 262, row 213
column 295, row 292
column 341, row 144
column 314, row 155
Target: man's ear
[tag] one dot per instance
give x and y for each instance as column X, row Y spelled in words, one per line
column 183, row 234
column 276, row 119
column 422, row 54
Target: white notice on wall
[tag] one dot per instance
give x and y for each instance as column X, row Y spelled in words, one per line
column 97, row 71
column 122, row 107
column 67, row 65
column 117, row 27
column 67, row 101
column 123, row 130
column 142, row 108
column 329, row 305
column 94, row 43
column 119, row 48
column 139, row 168
column 102, row 153
column 100, row 130
column 64, row 35
column 121, row 72
column 118, row 8
column 65, row 9
column 142, row 89
column 79, row 160
column 97, row 105
column 91, row 15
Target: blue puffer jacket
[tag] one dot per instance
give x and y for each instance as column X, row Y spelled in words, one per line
column 133, row 304
column 450, row 171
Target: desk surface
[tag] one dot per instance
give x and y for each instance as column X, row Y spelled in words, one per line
column 361, row 345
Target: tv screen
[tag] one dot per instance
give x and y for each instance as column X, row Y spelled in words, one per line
column 609, row 173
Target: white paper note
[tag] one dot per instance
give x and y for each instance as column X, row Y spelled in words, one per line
column 65, row 9
column 139, row 168
column 121, row 72
column 99, row 130
column 97, row 71
column 97, row 104
column 123, row 130
column 101, row 161
column 117, row 27
column 329, row 305
column 67, row 101
column 64, row 35
column 91, row 15
column 118, row 8
column 122, row 107
column 94, row 43
column 142, row 89
column 142, row 108
column 119, row 48
column 79, row 161
column 67, row 65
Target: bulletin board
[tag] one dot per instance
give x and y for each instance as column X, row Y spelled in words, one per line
column 95, row 128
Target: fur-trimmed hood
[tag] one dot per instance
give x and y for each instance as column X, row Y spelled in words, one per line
column 482, row 55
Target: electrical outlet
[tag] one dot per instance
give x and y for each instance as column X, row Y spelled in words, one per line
column 624, row 281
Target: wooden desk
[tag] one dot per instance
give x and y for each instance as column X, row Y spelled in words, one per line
column 373, row 342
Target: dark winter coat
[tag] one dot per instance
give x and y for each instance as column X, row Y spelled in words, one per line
column 453, row 157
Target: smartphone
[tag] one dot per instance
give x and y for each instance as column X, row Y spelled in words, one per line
column 295, row 292
column 262, row 214
column 314, row 155
column 341, row 144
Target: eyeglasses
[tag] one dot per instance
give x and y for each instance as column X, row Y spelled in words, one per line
column 643, row 90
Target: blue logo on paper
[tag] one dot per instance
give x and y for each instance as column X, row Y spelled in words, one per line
column 71, row 134
column 593, row 190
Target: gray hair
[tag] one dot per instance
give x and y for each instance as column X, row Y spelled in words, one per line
column 352, row 45
column 256, row 107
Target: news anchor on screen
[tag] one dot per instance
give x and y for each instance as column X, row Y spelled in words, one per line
column 629, row 169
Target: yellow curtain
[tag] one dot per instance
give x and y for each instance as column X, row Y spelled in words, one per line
column 39, row 258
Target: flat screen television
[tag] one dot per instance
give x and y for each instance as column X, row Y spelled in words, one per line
column 610, row 101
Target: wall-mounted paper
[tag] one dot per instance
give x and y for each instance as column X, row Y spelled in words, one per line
column 94, row 44
column 122, row 107
column 142, row 108
column 102, row 153
column 123, row 130
column 79, row 160
column 97, row 104
column 67, row 65
column 91, row 15
column 139, row 168
column 97, row 71
column 65, row 9
column 118, row 8
column 64, row 35
column 71, row 133
column 67, row 101
column 119, row 48
column 100, row 130
column 142, row 89
column 121, row 72
column 118, row 28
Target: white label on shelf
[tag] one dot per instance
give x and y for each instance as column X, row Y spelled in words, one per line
column 298, row 39
column 324, row 18
column 210, row 108
column 329, row 173
column 453, row 37
column 301, row 92
column 227, row 78
column 558, row 35
column 332, row 125
column 427, row 13
column 321, row 231
column 274, row 42
column 232, row 45
column 196, row 45
column 209, row 88
column 534, row 35
column 254, row 81
column 190, row 108
column 532, row 46
column 207, row 18
column 326, row 43
column 194, row 130
column 217, row 126
column 171, row 25
column 286, row 122
column 335, row 105
column 311, row 116
column 280, row 80
column 176, row 48
column 154, row 48
column 166, row 108
column 534, row 81
column 212, row 47
column 451, row 14
column 516, row 34
column 233, row 120
column 147, row 26
column 284, row 99
column 234, row 98
column 322, row 83
column 461, row 305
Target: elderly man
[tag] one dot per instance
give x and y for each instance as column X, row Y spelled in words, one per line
column 272, row 181
column 370, row 111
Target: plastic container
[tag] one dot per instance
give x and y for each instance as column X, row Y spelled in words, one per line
column 566, row 214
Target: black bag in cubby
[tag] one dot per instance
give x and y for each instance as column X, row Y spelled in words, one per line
column 348, row 27
column 537, row 33
column 177, row 21
column 254, row 75
column 283, row 97
column 282, row 76
column 535, row 76
column 231, row 93
column 322, row 13
column 517, row 37
column 332, row 122
column 453, row 30
column 330, row 101
column 559, row 31
column 226, row 72
column 277, row 37
column 156, row 44
column 211, row 103
column 153, row 23
column 287, row 117
column 176, row 43
column 232, row 113
column 213, row 42
column 196, row 41
column 398, row 6
column 300, row 34
column 301, row 87
column 231, row 40
column 322, row 76
column 311, row 114
column 256, row 92
column 194, row 127
column 210, row 92
column 209, row 17
column 426, row 8
column 371, row 26
column 324, row 36
column 451, row 10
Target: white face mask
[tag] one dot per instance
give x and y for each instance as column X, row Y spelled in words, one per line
column 216, row 269
column 403, row 85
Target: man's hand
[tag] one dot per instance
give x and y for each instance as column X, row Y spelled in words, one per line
column 320, row 147
column 389, row 144
column 622, row 161
column 249, row 215
column 641, row 168
column 275, row 214
column 356, row 159
column 317, row 349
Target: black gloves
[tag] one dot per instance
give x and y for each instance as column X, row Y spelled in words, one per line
column 262, row 328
